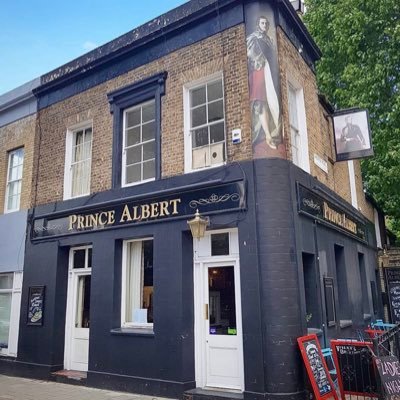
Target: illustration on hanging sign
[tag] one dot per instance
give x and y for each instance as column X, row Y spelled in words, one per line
column 264, row 86
column 352, row 135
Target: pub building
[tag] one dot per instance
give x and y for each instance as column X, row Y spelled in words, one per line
column 190, row 220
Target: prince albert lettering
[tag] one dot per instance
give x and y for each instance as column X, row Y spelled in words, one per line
column 135, row 213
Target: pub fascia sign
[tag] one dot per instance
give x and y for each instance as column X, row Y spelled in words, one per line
column 225, row 197
column 319, row 208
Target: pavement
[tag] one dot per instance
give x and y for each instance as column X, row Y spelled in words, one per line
column 12, row 388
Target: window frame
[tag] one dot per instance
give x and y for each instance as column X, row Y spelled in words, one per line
column 71, row 131
column 125, row 263
column 15, row 291
column 329, row 282
column 151, row 88
column 9, row 182
column 124, row 147
column 187, row 88
column 303, row 160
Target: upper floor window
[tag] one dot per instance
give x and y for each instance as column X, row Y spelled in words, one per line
column 298, row 129
column 78, row 162
column 14, row 179
column 139, row 144
column 205, row 140
column 137, row 131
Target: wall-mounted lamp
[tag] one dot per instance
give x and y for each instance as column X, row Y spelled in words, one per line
column 198, row 225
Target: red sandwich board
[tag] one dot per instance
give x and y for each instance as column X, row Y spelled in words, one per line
column 316, row 367
column 355, row 366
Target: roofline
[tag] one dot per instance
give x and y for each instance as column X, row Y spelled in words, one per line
column 157, row 27
column 19, row 95
column 164, row 24
column 287, row 7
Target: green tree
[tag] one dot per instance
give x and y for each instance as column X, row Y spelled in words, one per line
column 360, row 67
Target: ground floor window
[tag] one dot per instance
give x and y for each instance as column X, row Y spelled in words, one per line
column 137, row 283
column 6, row 285
column 10, row 298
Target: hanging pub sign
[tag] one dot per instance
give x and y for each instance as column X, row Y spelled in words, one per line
column 35, row 305
column 392, row 276
column 316, row 367
column 312, row 205
column 352, row 135
column 208, row 200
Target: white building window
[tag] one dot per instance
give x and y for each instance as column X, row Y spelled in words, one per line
column 139, row 144
column 137, row 284
column 14, row 180
column 10, row 302
column 298, row 128
column 205, row 141
column 78, row 162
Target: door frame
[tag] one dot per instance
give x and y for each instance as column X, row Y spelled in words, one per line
column 70, row 316
column 200, row 265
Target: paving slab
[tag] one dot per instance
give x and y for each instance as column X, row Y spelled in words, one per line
column 13, row 388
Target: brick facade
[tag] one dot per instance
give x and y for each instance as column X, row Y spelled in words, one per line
column 222, row 52
column 13, row 136
column 293, row 68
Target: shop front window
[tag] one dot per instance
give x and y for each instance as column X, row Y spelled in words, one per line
column 6, row 285
column 137, row 286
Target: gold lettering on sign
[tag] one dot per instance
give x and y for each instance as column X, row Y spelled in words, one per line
column 141, row 212
column 126, row 215
column 95, row 220
column 339, row 219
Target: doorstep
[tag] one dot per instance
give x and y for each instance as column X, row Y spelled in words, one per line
column 209, row 394
column 70, row 377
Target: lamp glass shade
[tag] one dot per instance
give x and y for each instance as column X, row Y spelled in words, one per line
column 198, row 225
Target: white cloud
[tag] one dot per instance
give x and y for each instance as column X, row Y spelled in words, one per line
column 88, row 45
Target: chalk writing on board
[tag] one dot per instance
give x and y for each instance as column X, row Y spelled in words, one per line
column 317, row 368
column 394, row 299
column 36, row 305
column 389, row 371
column 356, row 367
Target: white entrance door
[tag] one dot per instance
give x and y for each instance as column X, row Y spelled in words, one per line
column 78, row 310
column 218, row 323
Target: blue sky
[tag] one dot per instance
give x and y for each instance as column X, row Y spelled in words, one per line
column 38, row 36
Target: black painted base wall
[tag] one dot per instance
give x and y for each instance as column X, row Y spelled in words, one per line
column 272, row 238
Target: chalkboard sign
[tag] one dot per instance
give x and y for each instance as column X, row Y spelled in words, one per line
column 35, row 305
column 389, row 372
column 316, row 367
column 355, row 366
column 393, row 290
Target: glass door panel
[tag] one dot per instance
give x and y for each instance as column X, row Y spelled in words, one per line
column 83, row 302
column 221, row 301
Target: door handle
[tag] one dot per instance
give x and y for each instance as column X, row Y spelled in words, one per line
column 206, row 311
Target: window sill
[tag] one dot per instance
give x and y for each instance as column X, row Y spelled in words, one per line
column 367, row 317
column 144, row 332
column 345, row 323
column 315, row 331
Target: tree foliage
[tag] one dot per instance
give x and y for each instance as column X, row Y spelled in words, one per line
column 360, row 67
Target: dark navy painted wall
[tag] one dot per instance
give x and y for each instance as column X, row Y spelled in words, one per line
column 272, row 238
column 162, row 363
column 319, row 240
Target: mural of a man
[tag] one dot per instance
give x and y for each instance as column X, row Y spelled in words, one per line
column 263, row 77
column 352, row 137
